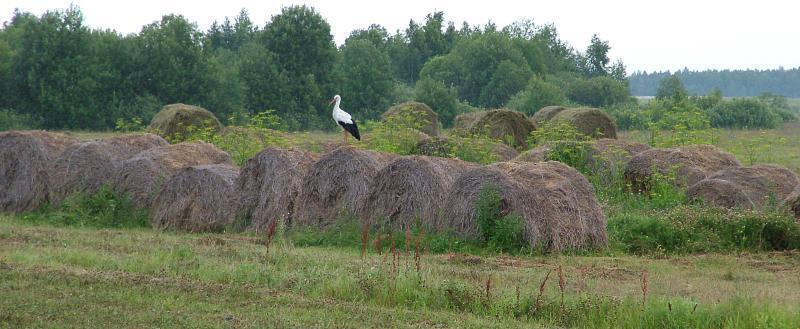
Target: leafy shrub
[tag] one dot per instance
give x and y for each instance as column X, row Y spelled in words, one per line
column 500, row 231
column 744, row 113
column 397, row 133
column 104, row 209
column 241, row 143
column 599, row 91
column 535, row 96
column 567, row 145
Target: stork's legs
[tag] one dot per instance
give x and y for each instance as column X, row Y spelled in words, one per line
column 345, row 136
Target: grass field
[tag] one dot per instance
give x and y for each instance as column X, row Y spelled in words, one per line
column 54, row 276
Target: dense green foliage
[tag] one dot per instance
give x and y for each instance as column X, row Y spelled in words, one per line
column 737, row 83
column 59, row 73
column 106, row 209
column 499, row 231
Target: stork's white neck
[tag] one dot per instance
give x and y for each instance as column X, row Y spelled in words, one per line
column 336, row 105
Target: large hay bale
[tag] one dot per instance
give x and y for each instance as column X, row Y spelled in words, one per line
column 85, row 166
column 589, row 121
column 557, row 204
column 268, row 186
column 416, row 111
column 196, row 199
column 412, row 188
column 792, row 202
column 337, row 185
column 446, row 146
column 174, row 119
column 546, row 113
column 142, row 176
column 508, row 126
column 689, row 164
column 750, row 187
column 25, row 159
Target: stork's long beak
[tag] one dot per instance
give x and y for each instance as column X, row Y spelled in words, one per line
column 332, row 100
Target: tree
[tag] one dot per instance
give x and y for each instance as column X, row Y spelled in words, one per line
column 671, row 88
column 365, row 78
column 536, row 95
column 264, row 82
column 441, row 98
column 601, row 91
column 597, row 57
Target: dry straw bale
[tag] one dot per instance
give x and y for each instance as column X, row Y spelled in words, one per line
column 589, row 121
column 546, row 113
column 417, row 111
column 445, row 147
column 142, row 176
column 792, row 202
column 268, row 186
column 85, row 166
column 174, row 119
column 745, row 187
column 557, row 204
column 412, row 188
column 196, row 199
column 25, row 160
column 337, row 185
column 689, row 164
column 508, row 126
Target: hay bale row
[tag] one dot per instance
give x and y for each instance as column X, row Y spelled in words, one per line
column 417, row 111
column 84, row 167
column 508, row 126
column 689, row 165
column 557, row 204
column 142, row 176
column 196, row 199
column 25, row 167
column 750, row 187
column 411, row 189
column 337, row 186
column 268, row 186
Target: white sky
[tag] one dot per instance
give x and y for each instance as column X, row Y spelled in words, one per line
column 646, row 35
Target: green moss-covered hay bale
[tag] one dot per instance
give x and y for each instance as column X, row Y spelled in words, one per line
column 686, row 164
column 416, row 112
column 196, row 199
column 336, row 186
column 546, row 113
column 268, row 186
column 589, row 121
column 25, row 167
column 411, row 189
column 752, row 187
column 557, row 204
column 142, row 176
column 173, row 121
column 508, row 126
column 85, row 167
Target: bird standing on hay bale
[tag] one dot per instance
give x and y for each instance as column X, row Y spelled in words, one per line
column 344, row 119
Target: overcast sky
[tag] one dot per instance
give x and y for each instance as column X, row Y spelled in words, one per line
column 646, row 35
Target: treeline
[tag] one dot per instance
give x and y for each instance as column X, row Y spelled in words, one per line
column 735, row 83
column 58, row 73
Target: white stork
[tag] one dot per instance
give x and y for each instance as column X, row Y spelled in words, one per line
column 344, row 119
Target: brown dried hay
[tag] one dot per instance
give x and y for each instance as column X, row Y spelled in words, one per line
column 792, row 202
column 416, row 110
column 268, row 186
column 546, row 113
column 196, row 199
column 510, row 127
column 591, row 122
column 410, row 189
column 337, row 185
column 745, row 187
column 142, row 176
column 689, row 164
column 85, row 166
column 25, row 159
column 557, row 204
column 173, row 121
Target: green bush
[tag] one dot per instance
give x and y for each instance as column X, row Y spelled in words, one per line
column 499, row 231
column 535, row 96
column 104, row 209
column 745, row 113
column 242, row 143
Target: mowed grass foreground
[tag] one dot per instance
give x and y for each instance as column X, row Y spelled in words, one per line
column 84, row 277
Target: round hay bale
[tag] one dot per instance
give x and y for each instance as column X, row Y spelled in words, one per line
column 589, row 121
column 546, row 113
column 25, row 159
column 689, row 164
column 792, row 202
column 174, row 119
column 410, row 189
column 508, row 126
column 745, row 187
column 142, row 176
column 416, row 111
column 337, row 185
column 196, row 199
column 268, row 186
column 445, row 147
column 85, row 166
column 556, row 203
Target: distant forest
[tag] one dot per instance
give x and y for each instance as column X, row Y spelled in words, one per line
column 733, row 83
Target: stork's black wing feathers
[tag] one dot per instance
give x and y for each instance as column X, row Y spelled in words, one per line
column 352, row 128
